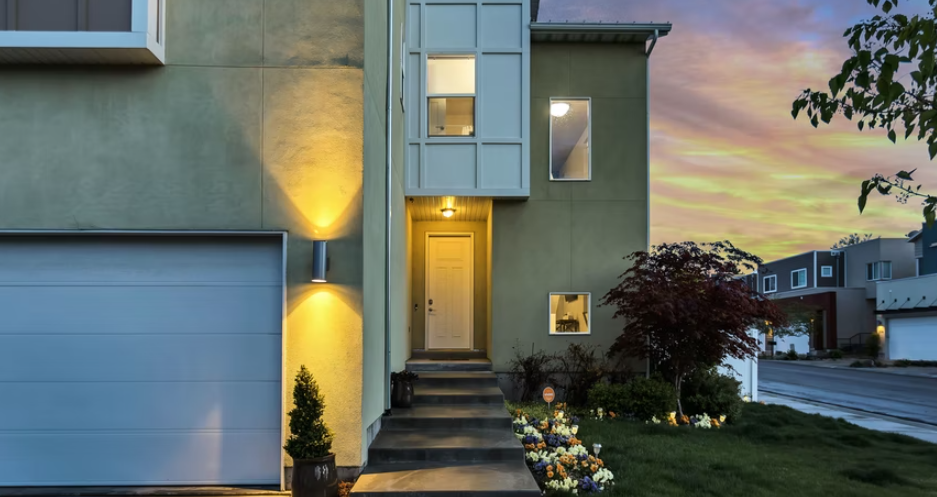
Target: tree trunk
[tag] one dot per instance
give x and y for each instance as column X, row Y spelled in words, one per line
column 677, row 384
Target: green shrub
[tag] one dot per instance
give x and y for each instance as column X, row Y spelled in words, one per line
column 873, row 346
column 648, row 397
column 608, row 396
column 707, row 391
column 904, row 363
column 791, row 355
column 309, row 438
column 836, row 354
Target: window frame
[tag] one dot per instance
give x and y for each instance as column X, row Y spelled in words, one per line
column 764, row 283
column 882, row 270
column 796, row 271
column 427, row 96
column 588, row 316
column 877, row 270
column 588, row 101
column 823, row 271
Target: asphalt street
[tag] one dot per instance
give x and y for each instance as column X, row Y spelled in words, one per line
column 906, row 397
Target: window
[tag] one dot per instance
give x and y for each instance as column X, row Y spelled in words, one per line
column 799, row 278
column 569, row 313
column 771, row 283
column 826, row 271
column 450, row 89
column 880, row 270
column 570, row 139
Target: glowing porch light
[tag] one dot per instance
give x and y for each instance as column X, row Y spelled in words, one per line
column 559, row 109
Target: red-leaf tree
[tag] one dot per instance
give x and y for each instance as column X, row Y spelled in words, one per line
column 685, row 307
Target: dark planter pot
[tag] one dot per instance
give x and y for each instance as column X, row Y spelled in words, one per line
column 315, row 477
column 402, row 395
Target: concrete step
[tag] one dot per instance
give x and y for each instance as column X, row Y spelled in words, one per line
column 400, row 446
column 418, row 365
column 459, row 379
column 448, row 354
column 448, row 417
column 423, row 395
column 434, row 479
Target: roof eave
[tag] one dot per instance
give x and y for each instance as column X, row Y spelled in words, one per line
column 635, row 29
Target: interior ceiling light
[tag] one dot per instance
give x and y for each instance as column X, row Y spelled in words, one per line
column 448, row 212
column 559, row 109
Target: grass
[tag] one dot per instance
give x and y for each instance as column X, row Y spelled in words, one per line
column 771, row 450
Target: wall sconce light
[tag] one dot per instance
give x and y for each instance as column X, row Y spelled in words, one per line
column 320, row 261
column 559, row 109
column 448, row 212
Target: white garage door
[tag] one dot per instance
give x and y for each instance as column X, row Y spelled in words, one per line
column 131, row 360
column 913, row 338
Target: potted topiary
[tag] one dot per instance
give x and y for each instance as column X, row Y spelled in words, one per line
column 401, row 385
column 310, row 442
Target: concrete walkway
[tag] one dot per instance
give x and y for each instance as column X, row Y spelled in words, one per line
column 844, row 364
column 871, row 421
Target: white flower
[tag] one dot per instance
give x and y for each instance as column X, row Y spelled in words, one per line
column 653, row 420
column 746, row 399
column 578, row 450
column 575, row 429
column 603, row 475
column 520, row 420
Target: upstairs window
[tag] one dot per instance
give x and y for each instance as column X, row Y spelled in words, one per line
column 799, row 278
column 770, row 283
column 880, row 270
column 570, row 139
column 826, row 271
column 450, row 90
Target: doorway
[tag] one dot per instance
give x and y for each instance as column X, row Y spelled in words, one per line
column 449, row 305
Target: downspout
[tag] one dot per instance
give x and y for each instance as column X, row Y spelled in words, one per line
column 647, row 112
column 388, row 199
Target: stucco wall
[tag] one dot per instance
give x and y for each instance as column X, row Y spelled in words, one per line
column 571, row 236
column 480, row 231
column 256, row 122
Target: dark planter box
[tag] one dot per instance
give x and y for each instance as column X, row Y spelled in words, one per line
column 315, row 477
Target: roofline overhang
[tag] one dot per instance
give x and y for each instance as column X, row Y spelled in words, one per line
column 647, row 29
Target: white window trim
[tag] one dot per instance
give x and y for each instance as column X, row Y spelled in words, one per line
column 550, row 150
column 764, row 283
column 823, row 271
column 879, row 268
column 805, row 278
column 588, row 316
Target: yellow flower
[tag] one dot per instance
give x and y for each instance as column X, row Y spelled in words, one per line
column 722, row 419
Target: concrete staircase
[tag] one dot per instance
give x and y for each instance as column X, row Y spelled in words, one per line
column 456, row 440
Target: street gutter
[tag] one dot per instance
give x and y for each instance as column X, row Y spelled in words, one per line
column 850, row 408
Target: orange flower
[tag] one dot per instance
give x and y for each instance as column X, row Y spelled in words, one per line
column 560, row 468
column 714, row 422
column 684, row 419
column 529, row 446
column 549, row 474
column 591, row 458
column 550, row 468
column 599, row 462
column 517, row 411
column 594, row 468
column 585, row 464
column 611, row 414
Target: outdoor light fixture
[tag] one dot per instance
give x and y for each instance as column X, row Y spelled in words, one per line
column 559, row 109
column 448, row 212
column 596, row 448
column 320, row 261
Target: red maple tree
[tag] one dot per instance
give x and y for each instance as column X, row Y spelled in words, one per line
column 685, row 307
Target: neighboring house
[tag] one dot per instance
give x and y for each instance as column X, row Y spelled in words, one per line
column 838, row 286
column 167, row 166
column 908, row 307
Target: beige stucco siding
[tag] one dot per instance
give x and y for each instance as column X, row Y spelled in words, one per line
column 571, row 236
column 256, row 122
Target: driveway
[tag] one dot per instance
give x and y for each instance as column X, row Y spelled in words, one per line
column 907, row 397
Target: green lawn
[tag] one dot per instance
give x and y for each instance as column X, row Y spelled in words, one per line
column 770, row 451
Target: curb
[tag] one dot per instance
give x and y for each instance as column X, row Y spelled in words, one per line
column 887, row 417
column 103, row 491
column 847, row 368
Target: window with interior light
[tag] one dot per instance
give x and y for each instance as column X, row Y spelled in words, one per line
column 570, row 139
column 569, row 313
column 450, row 90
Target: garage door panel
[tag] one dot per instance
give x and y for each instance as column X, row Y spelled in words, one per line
column 112, row 357
column 41, row 309
column 136, row 259
column 109, row 406
column 244, row 457
column 913, row 338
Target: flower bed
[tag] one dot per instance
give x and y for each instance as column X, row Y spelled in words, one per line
column 556, row 457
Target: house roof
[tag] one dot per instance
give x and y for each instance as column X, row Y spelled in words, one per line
column 914, row 235
column 591, row 32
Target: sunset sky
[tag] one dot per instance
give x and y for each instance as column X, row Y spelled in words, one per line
column 727, row 159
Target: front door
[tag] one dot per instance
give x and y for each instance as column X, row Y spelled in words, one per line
column 449, row 275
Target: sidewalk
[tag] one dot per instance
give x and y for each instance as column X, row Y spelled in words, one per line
column 871, row 421
column 920, row 372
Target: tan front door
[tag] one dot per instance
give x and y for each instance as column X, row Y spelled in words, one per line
column 449, row 275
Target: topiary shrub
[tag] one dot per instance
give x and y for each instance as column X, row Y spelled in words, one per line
column 873, row 346
column 608, row 396
column 645, row 398
column 309, row 438
column 791, row 355
column 707, row 391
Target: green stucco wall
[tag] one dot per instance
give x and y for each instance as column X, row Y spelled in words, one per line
column 480, row 284
column 255, row 123
column 571, row 236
